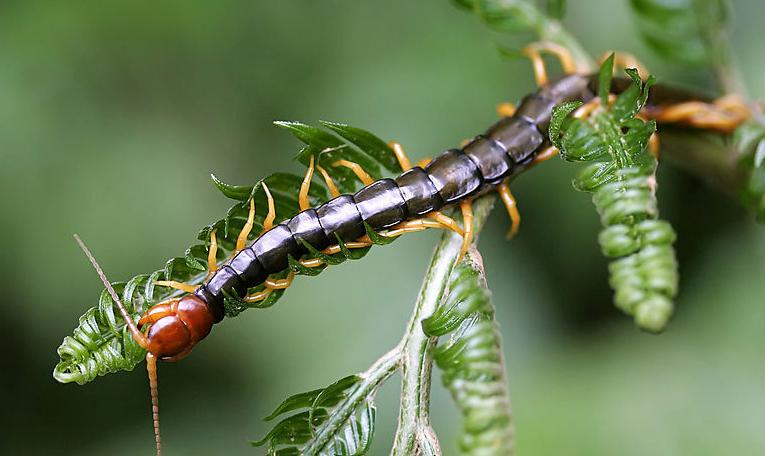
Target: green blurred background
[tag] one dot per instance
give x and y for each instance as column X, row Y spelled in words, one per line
column 112, row 114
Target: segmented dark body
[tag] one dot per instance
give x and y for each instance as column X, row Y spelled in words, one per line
column 502, row 151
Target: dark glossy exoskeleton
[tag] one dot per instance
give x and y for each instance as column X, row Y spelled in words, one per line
column 504, row 150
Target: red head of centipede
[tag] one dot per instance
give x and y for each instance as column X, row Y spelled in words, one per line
column 176, row 326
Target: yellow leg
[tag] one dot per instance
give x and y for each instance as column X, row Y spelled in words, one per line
column 411, row 226
column 724, row 114
column 259, row 296
column 512, row 209
column 654, row 145
column 365, row 178
column 586, row 109
column 268, row 223
column 424, row 162
column 447, row 222
column 733, row 104
column 280, row 284
column 187, row 287
column 467, row 222
column 311, row 262
column 563, row 54
column 534, row 53
column 403, row 160
column 271, row 285
column 681, row 111
column 408, row 229
column 505, row 109
column 212, row 253
column 305, row 187
column 241, row 240
column 540, row 71
column 333, row 249
column 545, row 154
column 330, row 183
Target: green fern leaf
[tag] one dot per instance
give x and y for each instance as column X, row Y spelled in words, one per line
column 682, row 30
column 310, row 432
column 621, row 177
column 367, row 143
column 327, row 148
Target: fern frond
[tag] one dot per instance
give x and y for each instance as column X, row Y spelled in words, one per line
column 682, row 30
column 337, row 420
column 621, row 177
column 100, row 344
column 472, row 361
column 348, row 143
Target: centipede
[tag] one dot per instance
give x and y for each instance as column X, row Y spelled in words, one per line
column 421, row 197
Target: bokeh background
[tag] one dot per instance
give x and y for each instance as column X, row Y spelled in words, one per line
column 112, row 115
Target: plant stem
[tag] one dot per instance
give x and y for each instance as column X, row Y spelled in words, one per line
column 371, row 379
column 709, row 156
column 415, row 436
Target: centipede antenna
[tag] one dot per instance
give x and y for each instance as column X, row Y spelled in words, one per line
column 151, row 367
column 136, row 333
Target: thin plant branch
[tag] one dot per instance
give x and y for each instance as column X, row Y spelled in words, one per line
column 371, row 379
column 415, row 435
